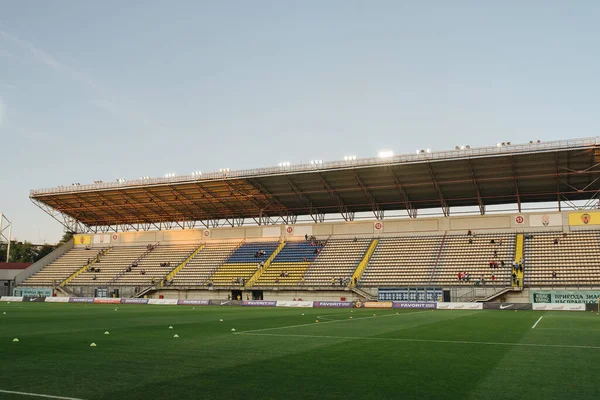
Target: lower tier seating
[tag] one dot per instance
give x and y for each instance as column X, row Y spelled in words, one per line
column 283, row 274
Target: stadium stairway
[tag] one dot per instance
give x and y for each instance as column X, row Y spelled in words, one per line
column 178, row 268
column 518, row 258
column 254, row 278
column 85, row 267
column 363, row 264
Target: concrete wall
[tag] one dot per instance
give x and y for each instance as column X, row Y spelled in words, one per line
column 267, row 295
column 531, row 222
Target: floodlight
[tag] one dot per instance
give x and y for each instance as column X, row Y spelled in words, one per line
column 428, row 150
column 462, row 147
column 386, row 154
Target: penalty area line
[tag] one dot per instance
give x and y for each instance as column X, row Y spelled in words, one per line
column 45, row 396
column 564, row 346
column 537, row 322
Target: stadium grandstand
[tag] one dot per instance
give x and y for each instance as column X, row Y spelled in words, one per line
column 462, row 225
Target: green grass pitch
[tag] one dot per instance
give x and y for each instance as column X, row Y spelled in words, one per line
column 412, row 354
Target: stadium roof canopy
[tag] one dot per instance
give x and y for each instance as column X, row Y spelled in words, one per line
column 559, row 171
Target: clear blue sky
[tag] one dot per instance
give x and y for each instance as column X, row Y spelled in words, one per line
column 108, row 89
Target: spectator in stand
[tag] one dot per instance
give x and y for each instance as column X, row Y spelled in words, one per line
column 306, row 237
column 94, row 277
column 470, row 240
column 502, row 263
column 555, row 240
column 276, row 280
column 495, row 253
column 153, row 281
column 332, row 281
column 467, row 277
column 493, row 277
column 143, row 272
column 459, row 276
column 491, row 264
column 469, row 233
column 514, row 277
column 553, row 274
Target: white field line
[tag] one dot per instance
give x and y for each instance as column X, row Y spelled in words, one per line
column 328, row 322
column 46, row 396
column 565, row 346
column 537, row 322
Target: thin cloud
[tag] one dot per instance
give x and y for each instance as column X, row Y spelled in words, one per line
column 104, row 98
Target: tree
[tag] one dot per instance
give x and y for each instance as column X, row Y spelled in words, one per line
column 43, row 251
column 66, row 237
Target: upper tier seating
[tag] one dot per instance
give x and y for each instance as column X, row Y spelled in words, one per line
column 575, row 259
column 113, row 263
column 150, row 264
column 206, row 262
column 298, row 252
column 246, row 253
column 62, row 268
column 402, row 261
column 338, row 259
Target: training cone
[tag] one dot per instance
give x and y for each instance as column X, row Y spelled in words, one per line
column 317, row 321
column 93, row 345
column 396, row 313
column 351, row 317
column 351, row 311
column 373, row 314
column 170, row 327
column 15, row 340
column 232, row 329
column 220, row 320
column 4, row 313
column 175, row 335
column 107, row 333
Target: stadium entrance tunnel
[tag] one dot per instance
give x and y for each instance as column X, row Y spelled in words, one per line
column 257, row 295
column 236, row 295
